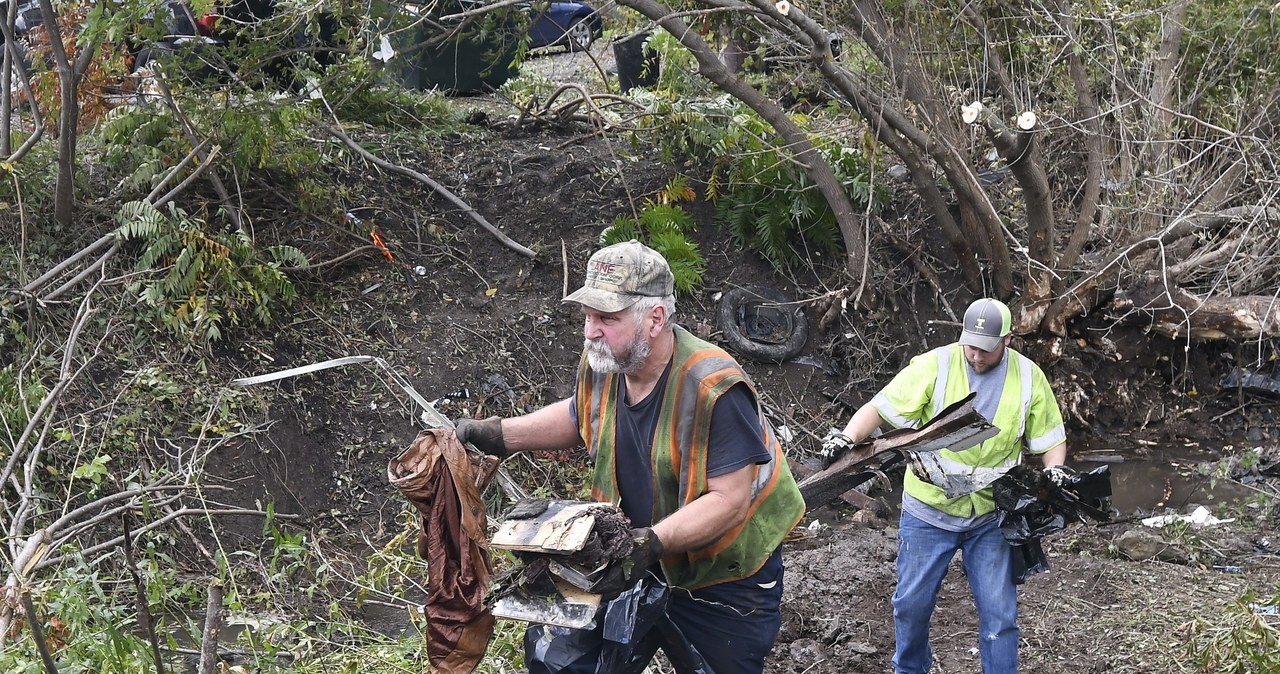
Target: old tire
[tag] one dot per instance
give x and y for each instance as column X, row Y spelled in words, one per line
column 760, row 324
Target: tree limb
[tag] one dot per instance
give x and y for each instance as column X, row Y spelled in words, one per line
column 189, row 130
column 1079, row 298
column 435, row 186
column 212, row 625
column 1092, row 148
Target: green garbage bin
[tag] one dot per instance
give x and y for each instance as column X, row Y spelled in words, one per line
column 479, row 59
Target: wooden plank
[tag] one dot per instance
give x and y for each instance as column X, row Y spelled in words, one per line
column 563, row 528
column 958, row 427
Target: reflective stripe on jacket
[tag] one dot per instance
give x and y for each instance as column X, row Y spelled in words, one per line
column 700, row 374
column 1027, row 415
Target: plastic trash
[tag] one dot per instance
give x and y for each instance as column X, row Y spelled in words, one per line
column 1030, row 506
column 623, row 639
column 1200, row 517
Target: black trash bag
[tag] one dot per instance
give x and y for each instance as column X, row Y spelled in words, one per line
column 1028, row 560
column 627, row 632
column 1030, row 506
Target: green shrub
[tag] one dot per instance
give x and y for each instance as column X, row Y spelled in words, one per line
column 765, row 198
column 206, row 280
column 664, row 226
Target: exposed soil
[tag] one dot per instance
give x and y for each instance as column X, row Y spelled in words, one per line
column 483, row 332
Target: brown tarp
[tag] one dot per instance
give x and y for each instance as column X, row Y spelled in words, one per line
column 437, row 477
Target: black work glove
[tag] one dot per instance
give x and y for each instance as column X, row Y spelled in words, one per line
column 646, row 550
column 484, row 434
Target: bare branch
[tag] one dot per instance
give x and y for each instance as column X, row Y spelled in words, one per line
column 435, row 186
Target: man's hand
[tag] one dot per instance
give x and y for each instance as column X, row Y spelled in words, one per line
column 646, row 550
column 1059, row 476
column 834, row 445
column 484, row 434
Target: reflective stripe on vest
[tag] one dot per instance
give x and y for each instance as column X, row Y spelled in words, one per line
column 981, row 473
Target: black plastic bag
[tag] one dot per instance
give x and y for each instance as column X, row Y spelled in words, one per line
column 1030, row 506
column 627, row 632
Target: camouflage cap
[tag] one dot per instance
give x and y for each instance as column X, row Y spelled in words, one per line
column 986, row 322
column 619, row 275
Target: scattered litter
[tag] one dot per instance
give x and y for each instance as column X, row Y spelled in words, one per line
column 370, row 289
column 1198, row 517
column 1227, row 568
column 1265, row 609
column 785, row 434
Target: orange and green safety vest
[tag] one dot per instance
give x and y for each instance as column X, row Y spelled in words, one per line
column 700, row 374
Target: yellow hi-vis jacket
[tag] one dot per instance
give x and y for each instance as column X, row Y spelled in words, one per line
column 1027, row 415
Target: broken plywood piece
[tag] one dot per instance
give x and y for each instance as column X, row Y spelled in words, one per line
column 957, row 427
column 563, row 528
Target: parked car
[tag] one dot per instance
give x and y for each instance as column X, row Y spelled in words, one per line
column 572, row 25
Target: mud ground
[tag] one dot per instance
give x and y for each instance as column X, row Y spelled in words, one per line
column 483, row 332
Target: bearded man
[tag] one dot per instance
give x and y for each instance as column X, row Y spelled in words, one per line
column 679, row 442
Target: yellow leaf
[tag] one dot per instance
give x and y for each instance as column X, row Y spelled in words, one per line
column 491, row 292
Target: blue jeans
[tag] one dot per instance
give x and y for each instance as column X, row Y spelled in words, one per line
column 924, row 551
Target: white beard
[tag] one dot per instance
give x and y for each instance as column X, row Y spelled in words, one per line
column 604, row 361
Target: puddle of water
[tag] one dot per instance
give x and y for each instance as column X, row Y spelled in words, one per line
column 1143, row 482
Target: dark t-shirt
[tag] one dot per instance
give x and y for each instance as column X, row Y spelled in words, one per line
column 735, row 441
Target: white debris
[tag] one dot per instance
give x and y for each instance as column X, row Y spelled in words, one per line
column 1198, row 517
column 385, row 51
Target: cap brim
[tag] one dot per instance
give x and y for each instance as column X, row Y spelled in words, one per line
column 977, row 341
column 601, row 300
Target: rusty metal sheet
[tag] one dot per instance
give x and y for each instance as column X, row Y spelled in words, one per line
column 957, row 428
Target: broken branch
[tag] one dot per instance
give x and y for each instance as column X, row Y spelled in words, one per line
column 435, row 186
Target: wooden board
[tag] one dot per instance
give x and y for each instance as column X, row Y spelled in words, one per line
column 563, row 528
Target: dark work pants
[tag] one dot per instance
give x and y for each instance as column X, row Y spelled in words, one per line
column 730, row 626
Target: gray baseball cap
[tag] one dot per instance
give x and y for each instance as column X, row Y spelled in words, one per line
column 619, row 275
column 986, row 322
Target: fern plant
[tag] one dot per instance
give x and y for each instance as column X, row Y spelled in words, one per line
column 204, row 282
column 664, row 225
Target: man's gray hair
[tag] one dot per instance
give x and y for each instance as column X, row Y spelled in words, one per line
column 644, row 304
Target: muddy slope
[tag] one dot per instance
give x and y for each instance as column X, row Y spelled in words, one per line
column 482, row 332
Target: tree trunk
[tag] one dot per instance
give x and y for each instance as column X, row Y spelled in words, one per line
column 885, row 123
column 69, row 75
column 1177, row 313
column 979, row 218
column 712, row 68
